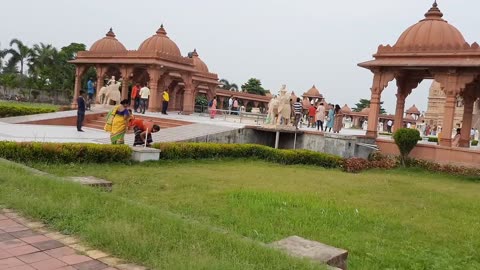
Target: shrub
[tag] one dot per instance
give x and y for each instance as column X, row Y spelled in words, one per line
column 406, row 139
column 355, row 165
column 474, row 142
column 380, row 161
column 215, row 150
column 64, row 152
column 433, row 139
column 9, row 110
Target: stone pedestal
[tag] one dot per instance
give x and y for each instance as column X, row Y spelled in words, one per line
column 142, row 154
column 316, row 251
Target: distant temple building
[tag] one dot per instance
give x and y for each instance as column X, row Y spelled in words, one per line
column 436, row 108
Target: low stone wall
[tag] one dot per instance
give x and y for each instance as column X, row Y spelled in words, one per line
column 435, row 153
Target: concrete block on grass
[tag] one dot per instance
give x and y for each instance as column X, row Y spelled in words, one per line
column 142, row 154
column 300, row 247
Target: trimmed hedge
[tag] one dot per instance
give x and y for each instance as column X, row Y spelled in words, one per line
column 64, row 152
column 216, row 150
column 433, row 139
column 9, row 110
column 474, row 142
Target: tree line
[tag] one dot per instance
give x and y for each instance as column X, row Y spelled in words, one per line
column 41, row 67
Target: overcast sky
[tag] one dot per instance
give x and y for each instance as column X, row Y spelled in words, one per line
column 298, row 43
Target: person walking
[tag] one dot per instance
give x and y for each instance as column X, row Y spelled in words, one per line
column 389, row 126
column 144, row 94
column 330, row 118
column 320, row 116
column 338, row 119
column 81, row 107
column 166, row 99
column 213, row 107
column 298, row 109
column 135, row 96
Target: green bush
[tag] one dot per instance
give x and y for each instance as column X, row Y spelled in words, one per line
column 215, row 150
column 9, row 110
column 64, row 152
column 406, row 139
column 433, row 139
column 474, row 142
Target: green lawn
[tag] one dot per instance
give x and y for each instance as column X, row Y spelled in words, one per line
column 215, row 214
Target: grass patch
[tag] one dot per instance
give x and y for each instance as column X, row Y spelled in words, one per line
column 399, row 219
column 14, row 108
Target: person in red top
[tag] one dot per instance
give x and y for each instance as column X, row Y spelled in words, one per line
column 311, row 116
column 135, row 96
column 143, row 131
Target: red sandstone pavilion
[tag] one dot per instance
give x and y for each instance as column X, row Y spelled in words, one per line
column 159, row 62
column 430, row 49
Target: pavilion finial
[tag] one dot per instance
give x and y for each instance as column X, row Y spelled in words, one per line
column 110, row 33
column 434, row 12
column 161, row 30
column 194, row 53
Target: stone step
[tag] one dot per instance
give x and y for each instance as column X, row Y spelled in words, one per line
column 92, row 181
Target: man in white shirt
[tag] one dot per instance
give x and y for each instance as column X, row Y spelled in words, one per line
column 389, row 126
column 230, row 104
column 144, row 94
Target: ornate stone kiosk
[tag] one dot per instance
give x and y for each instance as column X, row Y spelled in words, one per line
column 430, row 49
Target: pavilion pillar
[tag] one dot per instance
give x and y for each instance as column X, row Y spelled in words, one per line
column 467, row 120
column 188, row 95
column 79, row 71
column 100, row 79
column 452, row 82
column 380, row 81
column 399, row 110
column 125, row 71
column 221, row 101
column 154, row 100
column 256, row 103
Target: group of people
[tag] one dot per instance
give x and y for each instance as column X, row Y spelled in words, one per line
column 120, row 119
column 140, row 97
column 325, row 118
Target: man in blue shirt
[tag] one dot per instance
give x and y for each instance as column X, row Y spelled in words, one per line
column 91, row 91
column 81, row 110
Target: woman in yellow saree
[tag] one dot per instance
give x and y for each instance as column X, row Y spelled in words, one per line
column 117, row 122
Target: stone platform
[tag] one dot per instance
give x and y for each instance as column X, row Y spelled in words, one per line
column 92, row 182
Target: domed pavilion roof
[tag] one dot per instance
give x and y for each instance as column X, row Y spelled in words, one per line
column 160, row 42
column 198, row 63
column 365, row 111
column 413, row 110
column 108, row 44
column 346, row 109
column 433, row 32
column 313, row 93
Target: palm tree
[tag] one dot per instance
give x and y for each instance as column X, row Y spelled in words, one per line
column 20, row 55
column 42, row 56
column 3, row 53
column 227, row 86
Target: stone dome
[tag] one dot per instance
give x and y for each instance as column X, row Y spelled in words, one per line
column 160, row 42
column 346, row 109
column 108, row 44
column 365, row 111
column 413, row 110
column 313, row 93
column 433, row 32
column 198, row 63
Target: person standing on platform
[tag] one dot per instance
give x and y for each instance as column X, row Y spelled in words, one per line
column 166, row 99
column 135, row 96
column 389, row 126
column 91, row 92
column 81, row 107
column 144, row 94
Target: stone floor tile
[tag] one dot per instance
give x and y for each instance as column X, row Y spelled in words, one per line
column 7, row 210
column 15, row 228
column 69, row 240
column 67, row 268
column 22, row 267
column 96, row 254
column 10, row 262
column 90, row 265
column 22, row 250
column 11, row 244
column 46, row 245
column 34, row 257
column 2, row 217
column 4, row 254
column 35, row 225
column 48, row 264
column 7, row 223
column 35, row 239
column 25, row 233
column 75, row 259
column 60, row 252
column 12, row 215
column 5, row 237
column 80, row 247
column 130, row 267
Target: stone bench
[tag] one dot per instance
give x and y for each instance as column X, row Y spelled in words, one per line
column 141, row 154
column 297, row 246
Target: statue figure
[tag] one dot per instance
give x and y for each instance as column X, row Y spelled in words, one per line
column 284, row 106
column 101, row 95
column 112, row 80
column 113, row 93
column 272, row 110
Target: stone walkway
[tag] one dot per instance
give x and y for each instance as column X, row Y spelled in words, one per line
column 26, row 245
